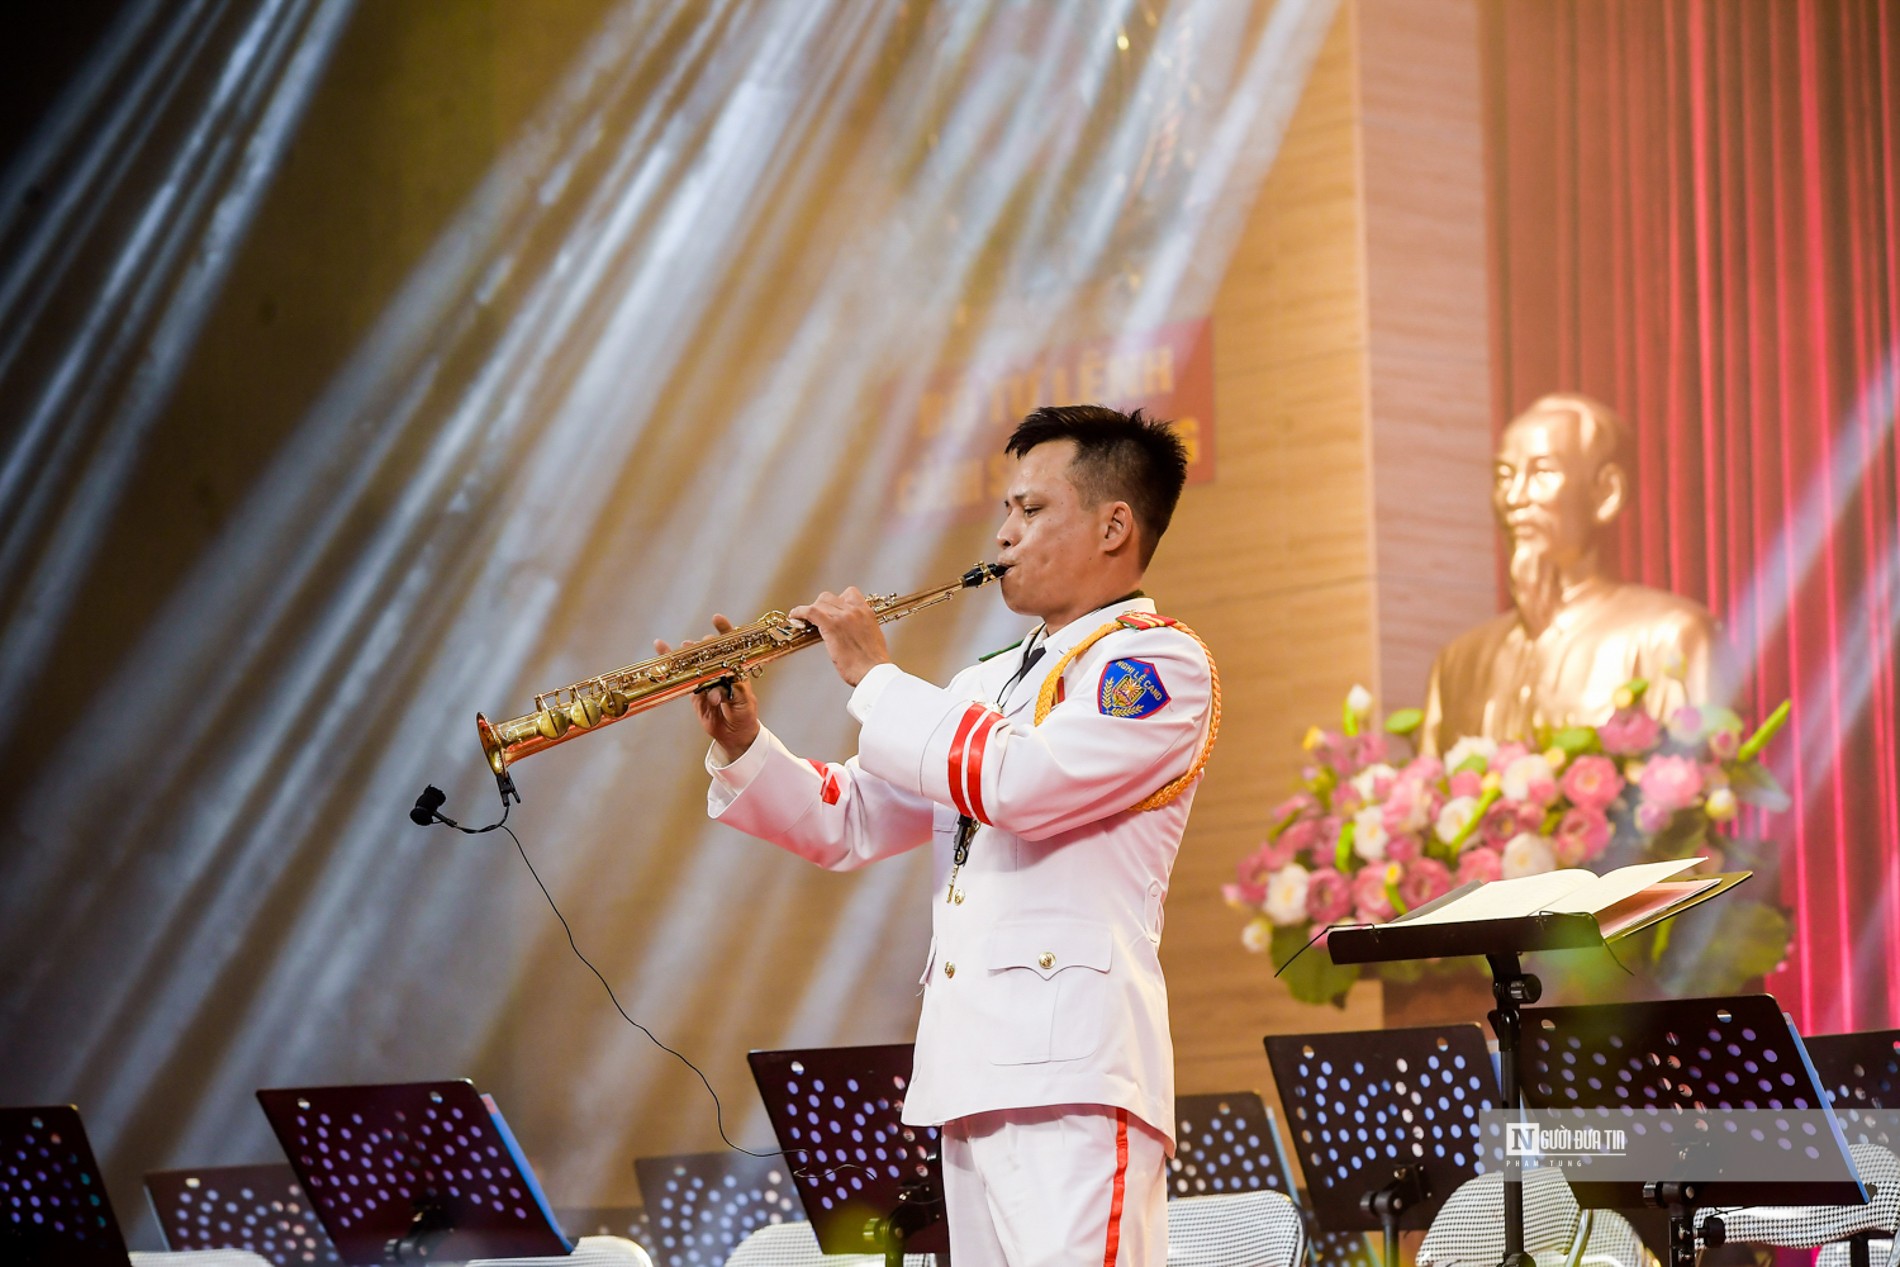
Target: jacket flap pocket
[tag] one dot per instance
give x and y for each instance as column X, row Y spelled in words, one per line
column 1046, row 948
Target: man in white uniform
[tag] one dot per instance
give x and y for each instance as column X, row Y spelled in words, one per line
column 1053, row 781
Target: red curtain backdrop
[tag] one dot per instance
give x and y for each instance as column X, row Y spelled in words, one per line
column 1696, row 218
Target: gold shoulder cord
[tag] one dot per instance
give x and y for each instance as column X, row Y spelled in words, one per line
column 1046, row 699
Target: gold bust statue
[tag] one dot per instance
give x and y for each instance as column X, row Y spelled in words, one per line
column 1574, row 634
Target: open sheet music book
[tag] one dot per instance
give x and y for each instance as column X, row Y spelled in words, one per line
column 1623, row 901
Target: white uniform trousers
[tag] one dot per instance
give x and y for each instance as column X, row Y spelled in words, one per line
column 1068, row 1185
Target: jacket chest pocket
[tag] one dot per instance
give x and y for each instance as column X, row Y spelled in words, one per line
column 1047, row 994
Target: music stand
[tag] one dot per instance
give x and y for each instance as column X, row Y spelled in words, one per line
column 400, row 1172
column 256, row 1208
column 1385, row 1122
column 869, row 1183
column 1226, row 1141
column 699, row 1206
column 1861, row 1075
column 1666, row 1072
column 627, row 1222
column 54, row 1211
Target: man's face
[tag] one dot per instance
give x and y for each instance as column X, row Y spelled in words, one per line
column 1542, row 489
column 1049, row 539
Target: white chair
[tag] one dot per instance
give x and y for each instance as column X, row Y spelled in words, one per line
column 1245, row 1229
column 1832, row 1226
column 796, row 1245
column 589, row 1251
column 1469, row 1230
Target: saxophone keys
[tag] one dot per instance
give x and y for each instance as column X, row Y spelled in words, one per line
column 550, row 725
column 614, row 703
column 584, row 712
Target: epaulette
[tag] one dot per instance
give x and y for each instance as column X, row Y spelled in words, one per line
column 1145, row 620
column 1000, row 650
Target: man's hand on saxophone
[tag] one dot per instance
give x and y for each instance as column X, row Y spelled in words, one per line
column 853, row 637
column 730, row 714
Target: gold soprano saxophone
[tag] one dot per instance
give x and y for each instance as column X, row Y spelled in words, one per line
column 587, row 706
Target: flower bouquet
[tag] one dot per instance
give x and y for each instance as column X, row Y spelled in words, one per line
column 1372, row 833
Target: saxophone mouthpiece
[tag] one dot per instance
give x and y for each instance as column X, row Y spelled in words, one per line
column 983, row 574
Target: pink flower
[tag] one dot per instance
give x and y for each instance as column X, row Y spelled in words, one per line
column 1275, row 854
column 1628, row 733
column 1296, row 806
column 1505, row 754
column 1725, row 743
column 1424, row 880
column 1592, row 782
column 1671, row 783
column 1480, row 863
column 1651, row 819
column 1424, row 769
column 1582, row 834
column 1243, row 896
column 1686, row 726
column 1300, row 835
column 1500, row 824
column 1467, row 783
column 1408, row 807
column 1530, row 779
column 1401, row 848
column 1368, row 896
column 1328, row 896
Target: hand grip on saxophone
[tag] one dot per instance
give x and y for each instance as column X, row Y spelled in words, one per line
column 583, row 707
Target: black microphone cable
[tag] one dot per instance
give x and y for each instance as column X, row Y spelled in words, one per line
column 427, row 812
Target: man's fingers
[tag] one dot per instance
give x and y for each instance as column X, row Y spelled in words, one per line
column 721, row 624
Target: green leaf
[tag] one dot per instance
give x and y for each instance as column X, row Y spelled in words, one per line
column 1342, row 852
column 1575, row 741
column 1754, row 785
column 1721, row 947
column 1312, row 977
column 1686, row 833
column 1759, row 740
column 1405, row 721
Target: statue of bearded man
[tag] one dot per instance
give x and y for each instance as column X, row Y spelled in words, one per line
column 1574, row 633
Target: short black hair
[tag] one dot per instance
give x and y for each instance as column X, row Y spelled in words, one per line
column 1122, row 456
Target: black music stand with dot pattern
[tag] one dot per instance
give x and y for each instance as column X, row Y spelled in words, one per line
column 411, row 1172
column 1227, row 1142
column 1385, row 1122
column 260, row 1208
column 699, row 1206
column 54, row 1211
column 869, row 1183
column 628, row 1222
column 1662, row 1067
column 1861, row 1075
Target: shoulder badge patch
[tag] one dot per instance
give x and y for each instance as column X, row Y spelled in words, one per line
column 1130, row 688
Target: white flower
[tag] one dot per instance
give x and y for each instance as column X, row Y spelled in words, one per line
column 1530, row 779
column 1358, row 701
column 1527, row 855
column 1368, row 833
column 1467, row 748
column 1455, row 817
column 1364, row 781
column 1286, row 895
column 1257, row 935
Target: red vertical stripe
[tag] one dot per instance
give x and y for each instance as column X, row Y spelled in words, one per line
column 1120, row 1190
column 974, row 771
column 971, row 715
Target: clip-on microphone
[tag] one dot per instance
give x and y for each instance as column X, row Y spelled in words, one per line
column 427, row 812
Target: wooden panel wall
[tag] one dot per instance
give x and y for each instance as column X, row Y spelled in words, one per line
column 1347, row 534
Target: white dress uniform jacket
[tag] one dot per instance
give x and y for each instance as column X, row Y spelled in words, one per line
column 1044, row 983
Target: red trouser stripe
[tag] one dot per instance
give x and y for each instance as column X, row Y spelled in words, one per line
column 971, row 715
column 1121, row 1189
column 977, row 743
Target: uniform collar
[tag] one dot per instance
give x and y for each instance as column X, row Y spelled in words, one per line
column 1084, row 625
